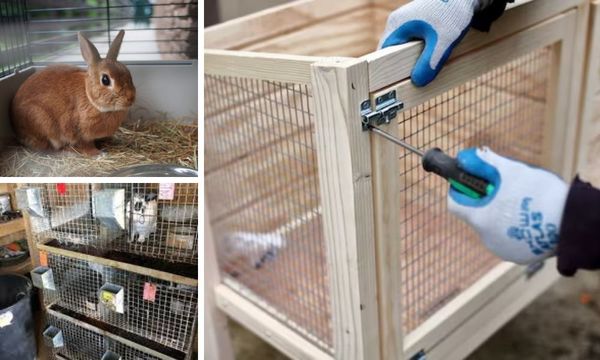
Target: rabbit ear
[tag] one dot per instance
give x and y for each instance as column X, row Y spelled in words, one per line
column 88, row 50
column 115, row 46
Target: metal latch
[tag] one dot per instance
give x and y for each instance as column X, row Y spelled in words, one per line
column 386, row 109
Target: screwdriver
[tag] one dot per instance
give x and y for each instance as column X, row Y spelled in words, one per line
column 436, row 161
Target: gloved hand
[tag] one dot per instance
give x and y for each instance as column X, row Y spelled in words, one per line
column 441, row 23
column 520, row 220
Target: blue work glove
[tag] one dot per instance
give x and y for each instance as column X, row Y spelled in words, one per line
column 442, row 24
column 520, row 220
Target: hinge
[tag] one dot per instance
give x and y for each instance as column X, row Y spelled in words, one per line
column 386, row 109
column 419, row 356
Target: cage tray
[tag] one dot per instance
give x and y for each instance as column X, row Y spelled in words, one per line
column 181, row 269
column 179, row 355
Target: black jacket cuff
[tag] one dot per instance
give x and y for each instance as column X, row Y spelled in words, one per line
column 579, row 239
column 483, row 19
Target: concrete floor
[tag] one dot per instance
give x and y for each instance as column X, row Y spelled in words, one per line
column 562, row 324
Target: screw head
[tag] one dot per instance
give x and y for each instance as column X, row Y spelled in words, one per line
column 365, row 105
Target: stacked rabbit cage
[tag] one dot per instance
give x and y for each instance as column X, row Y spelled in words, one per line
column 160, row 51
column 333, row 243
column 119, row 260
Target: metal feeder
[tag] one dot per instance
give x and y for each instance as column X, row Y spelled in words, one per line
column 43, row 278
column 53, row 337
column 109, row 355
column 30, row 200
column 109, row 207
column 113, row 297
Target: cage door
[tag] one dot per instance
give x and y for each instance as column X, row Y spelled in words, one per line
column 509, row 95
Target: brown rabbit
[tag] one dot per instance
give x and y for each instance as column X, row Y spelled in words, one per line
column 68, row 107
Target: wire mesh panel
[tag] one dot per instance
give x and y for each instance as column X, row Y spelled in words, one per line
column 162, row 311
column 81, row 343
column 120, row 221
column 263, row 197
column 14, row 52
column 155, row 30
column 505, row 109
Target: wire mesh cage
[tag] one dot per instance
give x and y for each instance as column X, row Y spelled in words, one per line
column 263, row 194
column 163, row 312
column 84, row 342
column 125, row 222
column 504, row 109
column 262, row 183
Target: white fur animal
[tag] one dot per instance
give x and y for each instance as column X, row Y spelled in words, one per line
column 257, row 248
column 142, row 216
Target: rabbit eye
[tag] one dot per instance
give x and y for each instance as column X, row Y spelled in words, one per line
column 105, row 80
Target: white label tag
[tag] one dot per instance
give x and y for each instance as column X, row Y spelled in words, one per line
column 90, row 305
column 166, row 191
column 6, row 319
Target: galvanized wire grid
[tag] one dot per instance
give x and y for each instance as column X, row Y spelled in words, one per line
column 83, row 344
column 504, row 109
column 165, row 315
column 263, row 199
column 104, row 219
column 14, row 53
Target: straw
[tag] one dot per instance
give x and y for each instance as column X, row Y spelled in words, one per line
column 138, row 143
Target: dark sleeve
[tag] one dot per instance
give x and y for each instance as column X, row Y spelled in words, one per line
column 579, row 239
column 483, row 19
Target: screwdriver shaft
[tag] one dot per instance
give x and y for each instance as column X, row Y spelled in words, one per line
column 396, row 141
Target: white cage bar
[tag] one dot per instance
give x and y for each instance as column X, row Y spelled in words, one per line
column 335, row 244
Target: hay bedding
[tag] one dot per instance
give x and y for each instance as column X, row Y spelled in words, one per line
column 135, row 143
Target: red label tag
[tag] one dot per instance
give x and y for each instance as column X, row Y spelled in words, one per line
column 43, row 258
column 149, row 292
column 61, row 189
